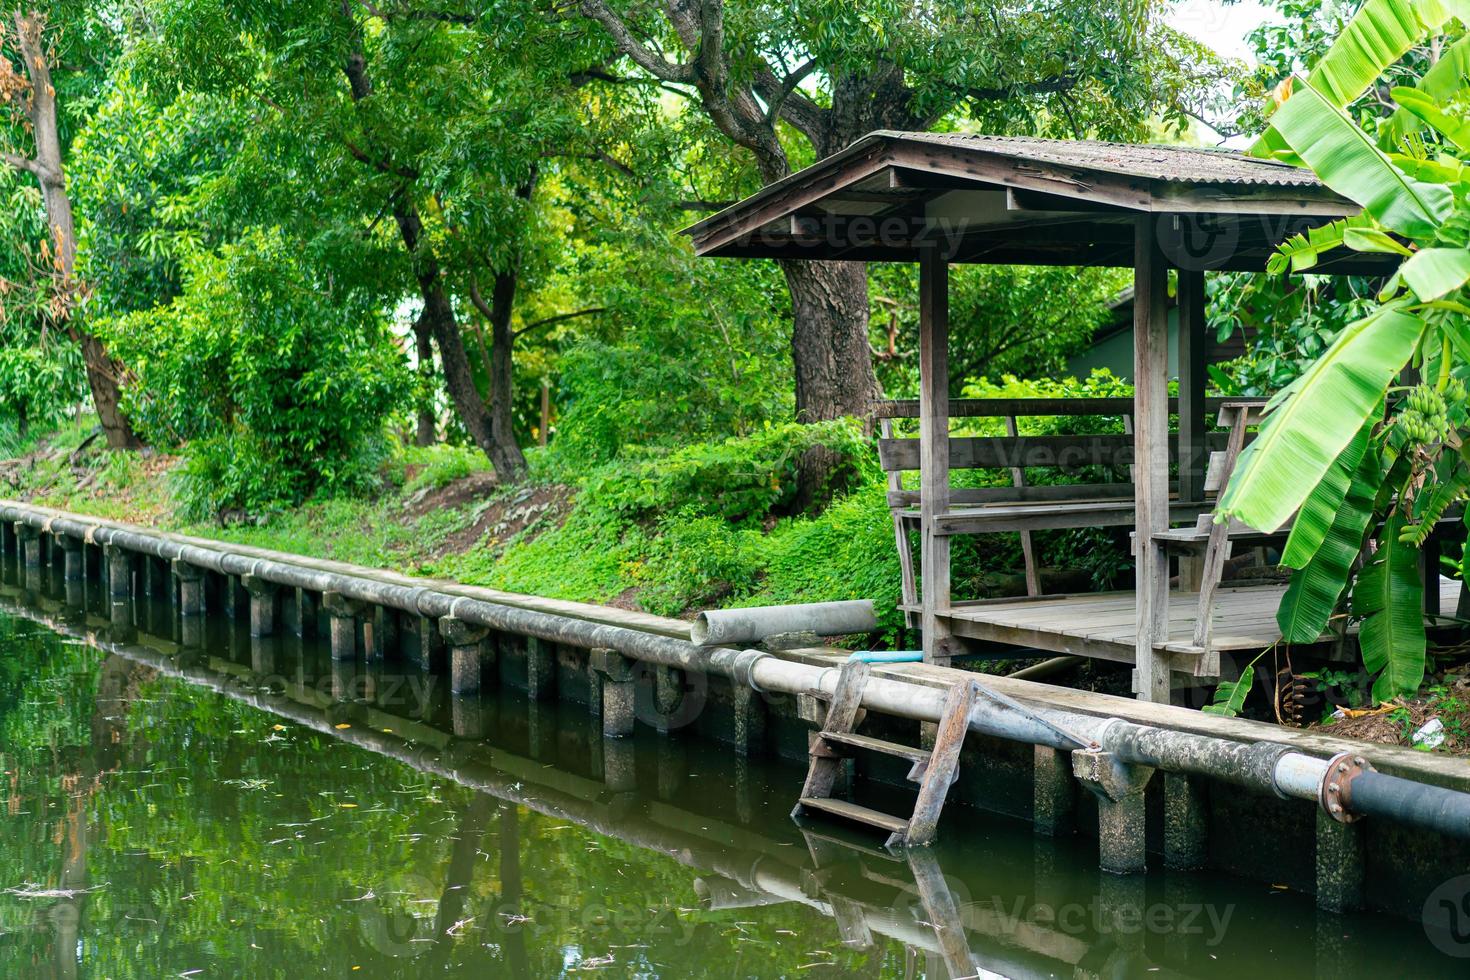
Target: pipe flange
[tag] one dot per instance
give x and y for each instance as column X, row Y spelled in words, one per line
column 1336, row 794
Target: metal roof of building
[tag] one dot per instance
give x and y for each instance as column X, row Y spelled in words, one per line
column 1181, row 164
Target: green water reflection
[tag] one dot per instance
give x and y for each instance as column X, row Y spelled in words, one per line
column 152, row 826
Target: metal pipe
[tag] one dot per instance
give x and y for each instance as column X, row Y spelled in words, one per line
column 1377, row 794
column 1046, row 668
column 717, row 627
column 886, row 657
column 1262, row 767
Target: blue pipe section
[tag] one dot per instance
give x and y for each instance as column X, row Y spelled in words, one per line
column 887, row 657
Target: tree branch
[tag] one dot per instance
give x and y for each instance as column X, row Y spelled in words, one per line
column 788, row 85
column 549, row 320
column 19, row 162
column 362, row 156
column 643, row 56
column 1046, row 86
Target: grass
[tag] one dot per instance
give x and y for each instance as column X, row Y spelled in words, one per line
column 668, row 532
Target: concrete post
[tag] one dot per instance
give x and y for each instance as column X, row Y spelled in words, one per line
column 1339, row 861
column 619, row 765
column 428, row 650
column 615, row 672
column 119, row 572
column 30, row 546
column 385, row 634
column 466, row 642
column 343, row 612
column 749, row 728
column 1186, row 826
column 540, row 669
column 1053, row 793
column 191, row 603
column 668, row 694
column 71, row 549
column 1119, row 787
column 263, row 595
column 233, row 596
column 468, row 717
column 263, row 651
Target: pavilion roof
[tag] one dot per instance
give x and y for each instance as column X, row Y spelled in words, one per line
column 1023, row 200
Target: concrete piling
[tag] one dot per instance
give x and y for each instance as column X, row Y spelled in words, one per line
column 343, row 612
column 1340, row 864
column 1186, row 827
column 466, row 654
column 1053, row 793
column 619, row 711
column 263, row 599
column 749, row 721
column 29, row 539
column 1119, row 787
column 540, row 669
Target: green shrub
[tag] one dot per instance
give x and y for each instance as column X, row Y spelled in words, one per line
column 275, row 385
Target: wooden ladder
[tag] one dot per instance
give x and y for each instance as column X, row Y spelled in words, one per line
column 934, row 770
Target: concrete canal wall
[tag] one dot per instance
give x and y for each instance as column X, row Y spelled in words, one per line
column 630, row 669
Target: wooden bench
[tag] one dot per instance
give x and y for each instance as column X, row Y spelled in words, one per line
column 1024, row 508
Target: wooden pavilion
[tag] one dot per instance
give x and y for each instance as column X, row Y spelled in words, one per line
column 937, row 199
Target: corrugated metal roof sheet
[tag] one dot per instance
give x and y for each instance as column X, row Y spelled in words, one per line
column 1182, row 164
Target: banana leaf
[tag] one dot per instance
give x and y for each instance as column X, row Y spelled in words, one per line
column 1324, row 503
column 1389, row 596
column 1432, row 272
column 1300, row 252
column 1347, row 160
column 1303, row 435
column 1315, row 588
column 1454, row 128
column 1380, row 33
column 1441, row 171
column 1443, row 79
column 1230, row 695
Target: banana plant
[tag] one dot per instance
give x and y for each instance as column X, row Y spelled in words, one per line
column 1365, row 467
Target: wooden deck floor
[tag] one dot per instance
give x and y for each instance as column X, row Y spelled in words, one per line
column 1103, row 624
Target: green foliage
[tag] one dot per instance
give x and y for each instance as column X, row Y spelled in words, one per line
column 1023, row 321
column 438, row 466
column 1230, row 696
column 741, row 480
column 40, row 369
column 1414, row 207
column 276, row 385
column 1389, row 597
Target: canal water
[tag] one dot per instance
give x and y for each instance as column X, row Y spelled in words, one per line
column 251, row 809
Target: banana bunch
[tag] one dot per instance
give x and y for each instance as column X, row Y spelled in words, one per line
column 1424, row 418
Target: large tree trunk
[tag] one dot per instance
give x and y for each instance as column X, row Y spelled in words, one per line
column 424, row 434
column 833, row 360
column 829, row 339
column 103, row 371
column 502, row 370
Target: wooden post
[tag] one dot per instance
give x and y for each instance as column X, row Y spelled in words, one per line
column 1151, row 457
column 934, row 451
column 1028, row 549
column 542, row 433
column 1194, row 455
